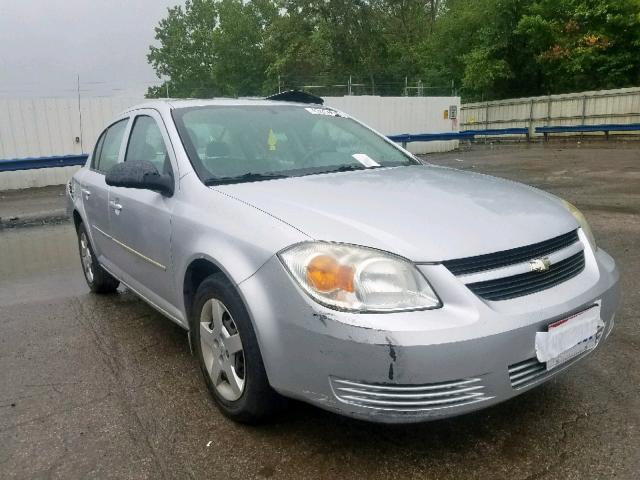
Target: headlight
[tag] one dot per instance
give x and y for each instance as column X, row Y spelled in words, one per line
column 583, row 223
column 360, row 279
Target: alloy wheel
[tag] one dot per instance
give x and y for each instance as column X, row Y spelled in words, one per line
column 222, row 350
column 86, row 257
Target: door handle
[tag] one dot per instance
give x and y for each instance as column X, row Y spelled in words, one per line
column 116, row 206
column 87, row 193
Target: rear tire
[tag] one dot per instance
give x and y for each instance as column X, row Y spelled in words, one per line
column 97, row 278
column 228, row 353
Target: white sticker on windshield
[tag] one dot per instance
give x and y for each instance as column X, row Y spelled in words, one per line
column 365, row 160
column 323, row 111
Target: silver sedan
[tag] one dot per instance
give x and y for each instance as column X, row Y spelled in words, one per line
column 309, row 257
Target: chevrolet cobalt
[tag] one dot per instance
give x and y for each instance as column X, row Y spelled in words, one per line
column 310, row 257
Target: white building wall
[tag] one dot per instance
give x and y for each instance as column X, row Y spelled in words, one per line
column 397, row 115
column 46, row 127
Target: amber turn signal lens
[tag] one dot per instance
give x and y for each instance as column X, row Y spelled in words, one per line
column 325, row 274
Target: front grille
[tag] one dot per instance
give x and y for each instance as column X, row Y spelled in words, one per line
column 465, row 266
column 410, row 398
column 530, row 282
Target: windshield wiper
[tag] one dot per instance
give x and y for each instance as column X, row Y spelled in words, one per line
column 346, row 168
column 247, row 177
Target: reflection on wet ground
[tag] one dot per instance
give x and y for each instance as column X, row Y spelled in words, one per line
column 39, row 263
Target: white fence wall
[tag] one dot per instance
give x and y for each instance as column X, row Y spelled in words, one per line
column 43, row 127
column 588, row 108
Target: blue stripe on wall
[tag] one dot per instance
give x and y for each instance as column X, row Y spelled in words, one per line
column 42, row 162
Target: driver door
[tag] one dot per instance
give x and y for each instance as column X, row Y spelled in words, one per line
column 141, row 219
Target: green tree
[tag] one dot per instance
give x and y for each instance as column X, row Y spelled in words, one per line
column 489, row 48
column 511, row 48
column 187, row 53
column 584, row 44
column 298, row 46
column 212, row 48
column 474, row 44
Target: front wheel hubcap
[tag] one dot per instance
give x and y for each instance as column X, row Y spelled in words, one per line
column 222, row 350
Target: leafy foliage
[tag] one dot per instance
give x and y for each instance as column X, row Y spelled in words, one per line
column 489, row 48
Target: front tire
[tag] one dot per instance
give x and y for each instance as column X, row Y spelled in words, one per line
column 228, row 352
column 98, row 280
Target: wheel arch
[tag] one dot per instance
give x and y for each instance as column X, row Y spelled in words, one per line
column 77, row 219
column 196, row 272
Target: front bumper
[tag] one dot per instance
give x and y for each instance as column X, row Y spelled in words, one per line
column 415, row 366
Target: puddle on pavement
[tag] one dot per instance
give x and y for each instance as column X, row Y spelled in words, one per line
column 39, row 263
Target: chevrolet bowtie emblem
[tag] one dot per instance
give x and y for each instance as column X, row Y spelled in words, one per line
column 540, row 264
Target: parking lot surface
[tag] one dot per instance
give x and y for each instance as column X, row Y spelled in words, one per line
column 105, row 387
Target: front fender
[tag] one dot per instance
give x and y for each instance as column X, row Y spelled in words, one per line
column 232, row 235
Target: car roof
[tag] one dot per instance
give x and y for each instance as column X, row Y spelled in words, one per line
column 171, row 104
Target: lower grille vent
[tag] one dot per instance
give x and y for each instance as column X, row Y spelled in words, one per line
column 410, row 398
column 527, row 372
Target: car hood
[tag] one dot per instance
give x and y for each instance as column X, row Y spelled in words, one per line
column 424, row 213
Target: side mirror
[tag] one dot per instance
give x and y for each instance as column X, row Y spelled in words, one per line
column 141, row 174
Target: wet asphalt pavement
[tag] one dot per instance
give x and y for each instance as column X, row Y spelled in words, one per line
column 103, row 386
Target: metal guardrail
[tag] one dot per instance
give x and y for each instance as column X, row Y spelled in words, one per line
column 405, row 138
column 496, row 132
column 463, row 135
column 42, row 162
column 605, row 128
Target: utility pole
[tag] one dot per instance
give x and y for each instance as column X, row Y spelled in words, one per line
column 279, row 85
column 166, row 84
column 79, row 110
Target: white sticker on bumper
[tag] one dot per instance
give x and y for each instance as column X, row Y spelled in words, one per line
column 565, row 335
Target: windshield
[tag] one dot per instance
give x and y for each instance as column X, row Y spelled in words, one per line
column 231, row 144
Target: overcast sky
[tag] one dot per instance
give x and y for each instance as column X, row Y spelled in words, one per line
column 45, row 43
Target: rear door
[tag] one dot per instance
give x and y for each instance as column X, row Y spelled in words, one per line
column 95, row 192
column 141, row 219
